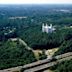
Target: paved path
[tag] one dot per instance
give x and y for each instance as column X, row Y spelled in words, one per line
column 25, row 44
column 22, row 42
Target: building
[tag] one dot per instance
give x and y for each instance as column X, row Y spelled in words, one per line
column 47, row 29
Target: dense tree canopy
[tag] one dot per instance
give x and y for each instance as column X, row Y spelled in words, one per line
column 65, row 47
column 36, row 39
column 14, row 54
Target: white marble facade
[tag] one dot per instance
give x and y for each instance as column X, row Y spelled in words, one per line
column 47, row 29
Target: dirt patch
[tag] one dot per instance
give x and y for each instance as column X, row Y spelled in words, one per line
column 48, row 52
column 36, row 53
column 51, row 51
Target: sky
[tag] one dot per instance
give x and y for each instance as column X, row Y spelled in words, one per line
column 35, row 1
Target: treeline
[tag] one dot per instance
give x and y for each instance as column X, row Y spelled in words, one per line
column 65, row 47
column 36, row 39
column 35, row 16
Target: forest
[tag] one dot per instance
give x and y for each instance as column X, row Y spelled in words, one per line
column 14, row 54
column 25, row 22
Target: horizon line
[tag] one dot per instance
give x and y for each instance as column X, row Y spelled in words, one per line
column 35, row 3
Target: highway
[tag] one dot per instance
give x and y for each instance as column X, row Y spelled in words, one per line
column 43, row 64
column 40, row 65
column 47, row 65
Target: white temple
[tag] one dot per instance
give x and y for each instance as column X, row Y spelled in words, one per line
column 48, row 29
